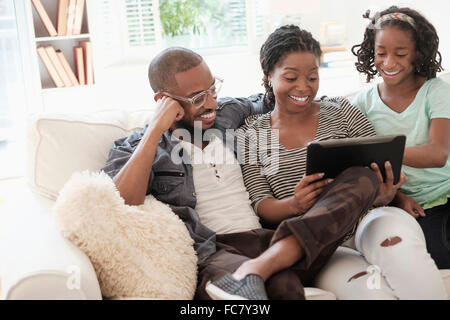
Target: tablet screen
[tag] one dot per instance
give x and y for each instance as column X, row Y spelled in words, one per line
column 334, row 156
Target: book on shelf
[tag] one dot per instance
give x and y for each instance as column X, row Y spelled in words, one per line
column 78, row 21
column 51, row 52
column 63, row 6
column 78, row 57
column 67, row 68
column 71, row 16
column 44, row 17
column 50, row 67
column 88, row 61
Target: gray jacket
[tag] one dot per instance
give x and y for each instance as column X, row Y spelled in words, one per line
column 173, row 183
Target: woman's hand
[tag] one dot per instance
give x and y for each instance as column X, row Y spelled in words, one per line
column 307, row 192
column 388, row 189
column 409, row 205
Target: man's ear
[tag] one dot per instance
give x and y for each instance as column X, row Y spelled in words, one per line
column 158, row 96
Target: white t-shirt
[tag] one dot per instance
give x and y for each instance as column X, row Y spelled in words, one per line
column 223, row 203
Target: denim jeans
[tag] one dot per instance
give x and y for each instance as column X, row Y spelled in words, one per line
column 436, row 227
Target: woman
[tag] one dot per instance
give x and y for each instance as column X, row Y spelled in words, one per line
column 274, row 154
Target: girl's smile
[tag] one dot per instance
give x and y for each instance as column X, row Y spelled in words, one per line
column 395, row 51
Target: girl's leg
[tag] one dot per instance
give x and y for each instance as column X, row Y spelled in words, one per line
column 392, row 241
column 436, row 227
column 350, row 277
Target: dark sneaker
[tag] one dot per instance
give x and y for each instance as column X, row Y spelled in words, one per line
column 228, row 288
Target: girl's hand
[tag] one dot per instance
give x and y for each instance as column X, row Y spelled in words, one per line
column 387, row 189
column 409, row 205
column 307, row 192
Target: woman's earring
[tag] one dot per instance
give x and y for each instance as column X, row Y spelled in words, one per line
column 270, row 84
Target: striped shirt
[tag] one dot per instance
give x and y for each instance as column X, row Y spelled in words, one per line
column 272, row 171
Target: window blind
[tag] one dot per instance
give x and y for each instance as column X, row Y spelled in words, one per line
column 140, row 21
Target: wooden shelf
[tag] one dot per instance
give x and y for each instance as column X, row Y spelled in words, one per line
column 62, row 38
column 53, row 89
column 65, row 44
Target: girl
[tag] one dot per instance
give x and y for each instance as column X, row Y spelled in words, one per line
column 275, row 173
column 402, row 47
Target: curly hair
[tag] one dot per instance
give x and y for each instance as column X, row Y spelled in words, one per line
column 284, row 40
column 428, row 58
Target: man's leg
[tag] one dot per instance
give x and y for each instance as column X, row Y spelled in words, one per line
column 233, row 250
column 311, row 239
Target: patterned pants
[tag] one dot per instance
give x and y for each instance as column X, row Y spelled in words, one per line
column 319, row 231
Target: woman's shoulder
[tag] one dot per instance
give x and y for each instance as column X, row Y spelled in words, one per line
column 255, row 122
column 337, row 105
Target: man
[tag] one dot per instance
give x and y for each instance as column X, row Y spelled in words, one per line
column 209, row 195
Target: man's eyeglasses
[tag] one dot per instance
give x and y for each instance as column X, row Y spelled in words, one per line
column 199, row 99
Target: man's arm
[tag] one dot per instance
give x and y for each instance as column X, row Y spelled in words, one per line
column 132, row 180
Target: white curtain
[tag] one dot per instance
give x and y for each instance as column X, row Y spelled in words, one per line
column 12, row 93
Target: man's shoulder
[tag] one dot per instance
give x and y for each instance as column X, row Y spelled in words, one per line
column 132, row 139
column 240, row 102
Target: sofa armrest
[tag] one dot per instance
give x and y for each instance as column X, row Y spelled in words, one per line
column 37, row 262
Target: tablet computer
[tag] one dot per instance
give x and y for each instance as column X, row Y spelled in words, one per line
column 334, row 156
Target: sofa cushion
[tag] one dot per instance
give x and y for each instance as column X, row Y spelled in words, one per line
column 61, row 144
column 137, row 251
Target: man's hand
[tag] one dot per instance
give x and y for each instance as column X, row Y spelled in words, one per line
column 168, row 111
column 307, row 192
column 409, row 205
column 387, row 190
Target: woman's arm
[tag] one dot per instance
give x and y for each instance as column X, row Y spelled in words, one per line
column 305, row 196
column 435, row 153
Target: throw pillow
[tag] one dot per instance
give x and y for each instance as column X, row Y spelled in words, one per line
column 137, row 251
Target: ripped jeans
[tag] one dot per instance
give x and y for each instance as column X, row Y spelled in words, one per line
column 390, row 261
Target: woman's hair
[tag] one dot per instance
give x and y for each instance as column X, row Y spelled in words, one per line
column 428, row 58
column 284, row 40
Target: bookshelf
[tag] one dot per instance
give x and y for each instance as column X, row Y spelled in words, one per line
column 41, row 37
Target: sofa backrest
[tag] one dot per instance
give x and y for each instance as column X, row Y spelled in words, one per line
column 59, row 145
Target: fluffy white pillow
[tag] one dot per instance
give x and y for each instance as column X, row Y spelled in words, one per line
column 137, row 251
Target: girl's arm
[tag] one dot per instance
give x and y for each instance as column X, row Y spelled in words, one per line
column 409, row 205
column 435, row 153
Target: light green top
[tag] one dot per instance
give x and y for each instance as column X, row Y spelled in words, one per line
column 429, row 187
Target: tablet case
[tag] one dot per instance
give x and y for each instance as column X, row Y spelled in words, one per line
column 334, row 156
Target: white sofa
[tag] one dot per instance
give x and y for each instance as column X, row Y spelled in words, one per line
column 37, row 262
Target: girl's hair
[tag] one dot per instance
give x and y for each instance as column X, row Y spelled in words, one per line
column 284, row 40
column 428, row 58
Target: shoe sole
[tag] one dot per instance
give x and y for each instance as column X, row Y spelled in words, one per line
column 218, row 294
